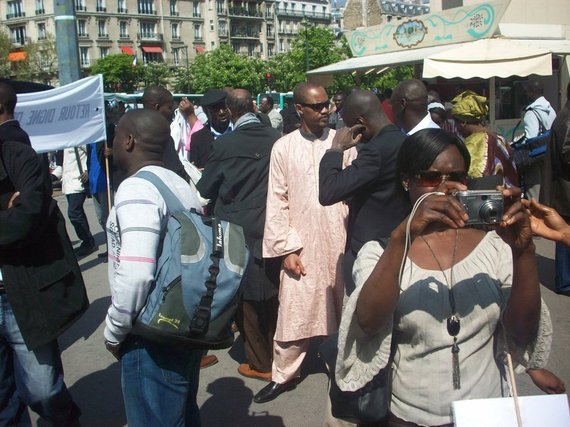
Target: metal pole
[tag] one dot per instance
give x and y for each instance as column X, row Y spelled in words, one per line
column 66, row 41
column 187, row 71
column 306, row 45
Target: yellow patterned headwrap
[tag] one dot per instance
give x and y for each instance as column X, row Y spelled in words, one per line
column 469, row 107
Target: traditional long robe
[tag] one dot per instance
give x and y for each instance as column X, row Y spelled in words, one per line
column 310, row 305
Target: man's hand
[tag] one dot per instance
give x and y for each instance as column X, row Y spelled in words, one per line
column 546, row 222
column 114, row 348
column 84, row 177
column 293, row 265
column 346, row 137
column 186, row 108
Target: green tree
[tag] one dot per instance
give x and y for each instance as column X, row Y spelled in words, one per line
column 312, row 48
column 41, row 61
column 182, row 78
column 223, row 67
column 156, row 73
column 5, row 46
column 118, row 73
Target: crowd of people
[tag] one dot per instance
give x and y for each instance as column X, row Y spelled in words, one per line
column 350, row 214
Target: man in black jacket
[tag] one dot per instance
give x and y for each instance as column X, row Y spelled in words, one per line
column 369, row 183
column 41, row 290
column 235, row 179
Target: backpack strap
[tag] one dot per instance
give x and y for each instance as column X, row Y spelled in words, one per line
column 173, row 205
column 202, row 315
column 541, row 127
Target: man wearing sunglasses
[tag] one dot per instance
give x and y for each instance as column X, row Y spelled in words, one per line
column 368, row 183
column 309, row 236
column 214, row 104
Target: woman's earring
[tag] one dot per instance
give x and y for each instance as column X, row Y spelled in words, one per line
column 405, row 185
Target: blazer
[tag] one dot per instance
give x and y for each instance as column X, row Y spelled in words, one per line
column 41, row 275
column 235, row 178
column 369, row 184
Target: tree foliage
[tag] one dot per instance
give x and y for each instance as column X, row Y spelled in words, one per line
column 5, row 46
column 118, row 73
column 223, row 67
column 156, row 74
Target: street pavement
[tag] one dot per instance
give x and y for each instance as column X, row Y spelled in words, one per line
column 225, row 397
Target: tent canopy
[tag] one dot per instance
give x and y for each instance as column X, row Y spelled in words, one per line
column 533, row 54
column 488, row 58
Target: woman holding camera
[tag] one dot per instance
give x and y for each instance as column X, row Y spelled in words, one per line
column 443, row 317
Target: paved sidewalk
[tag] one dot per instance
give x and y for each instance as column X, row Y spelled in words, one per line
column 225, row 397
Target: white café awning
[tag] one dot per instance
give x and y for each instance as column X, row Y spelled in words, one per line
column 488, row 58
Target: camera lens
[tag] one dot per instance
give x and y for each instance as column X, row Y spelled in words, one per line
column 491, row 212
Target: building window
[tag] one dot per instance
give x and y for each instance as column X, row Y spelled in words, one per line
column 15, row 9
column 122, row 6
column 42, row 34
column 100, row 7
column 175, row 31
column 146, row 7
column 82, row 28
column 220, row 6
column 80, row 5
column 195, row 9
column 123, row 29
column 197, row 32
column 18, row 35
column 151, row 57
column 212, row 45
column 269, row 50
column 250, row 50
column 235, row 47
column 173, row 10
column 102, row 28
column 84, row 56
column 148, row 30
column 211, row 25
column 103, row 52
column 40, row 8
column 281, row 48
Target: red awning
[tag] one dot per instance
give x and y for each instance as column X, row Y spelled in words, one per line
column 152, row 49
column 200, row 49
column 128, row 50
column 17, row 56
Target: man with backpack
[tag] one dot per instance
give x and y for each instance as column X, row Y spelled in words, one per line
column 159, row 381
column 537, row 119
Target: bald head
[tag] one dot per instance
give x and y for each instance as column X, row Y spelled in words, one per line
column 409, row 103
column 363, row 107
column 140, row 139
column 301, row 90
column 239, row 102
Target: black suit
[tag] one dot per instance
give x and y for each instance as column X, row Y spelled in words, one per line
column 200, row 147
column 235, row 179
column 369, row 185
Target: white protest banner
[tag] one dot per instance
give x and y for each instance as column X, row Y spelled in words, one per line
column 66, row 116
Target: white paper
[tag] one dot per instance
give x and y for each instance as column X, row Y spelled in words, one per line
column 536, row 411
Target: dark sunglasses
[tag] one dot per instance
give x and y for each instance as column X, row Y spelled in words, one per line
column 435, row 178
column 318, row 106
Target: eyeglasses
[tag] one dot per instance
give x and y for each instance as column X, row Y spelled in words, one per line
column 318, row 106
column 435, row 178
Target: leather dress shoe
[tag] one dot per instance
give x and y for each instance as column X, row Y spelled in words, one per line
column 272, row 390
column 247, row 371
column 207, row 361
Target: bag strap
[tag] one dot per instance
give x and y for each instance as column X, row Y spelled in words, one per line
column 173, row 204
column 203, row 312
column 541, row 127
column 78, row 159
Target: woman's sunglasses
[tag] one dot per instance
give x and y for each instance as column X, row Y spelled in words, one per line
column 435, row 178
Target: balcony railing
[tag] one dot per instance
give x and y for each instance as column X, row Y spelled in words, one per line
column 147, row 12
column 83, row 35
column 124, row 36
column 85, row 62
column 20, row 40
column 101, row 9
column 40, row 11
column 173, row 13
column 198, row 37
column 122, row 10
column 176, row 38
column 308, row 15
column 81, row 8
column 103, row 36
column 16, row 15
column 241, row 11
column 220, row 11
column 149, row 36
column 196, row 15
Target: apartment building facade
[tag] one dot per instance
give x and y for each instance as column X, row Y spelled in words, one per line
column 174, row 31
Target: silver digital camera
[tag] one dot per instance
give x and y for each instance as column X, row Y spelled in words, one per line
column 482, row 206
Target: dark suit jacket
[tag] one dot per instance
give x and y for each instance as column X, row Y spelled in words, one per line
column 236, row 178
column 12, row 131
column 200, row 147
column 369, row 184
column 40, row 272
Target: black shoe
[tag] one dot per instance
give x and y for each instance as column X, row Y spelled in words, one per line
column 85, row 249
column 103, row 255
column 272, row 390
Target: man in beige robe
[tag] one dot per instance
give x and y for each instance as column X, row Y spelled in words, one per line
column 310, row 237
